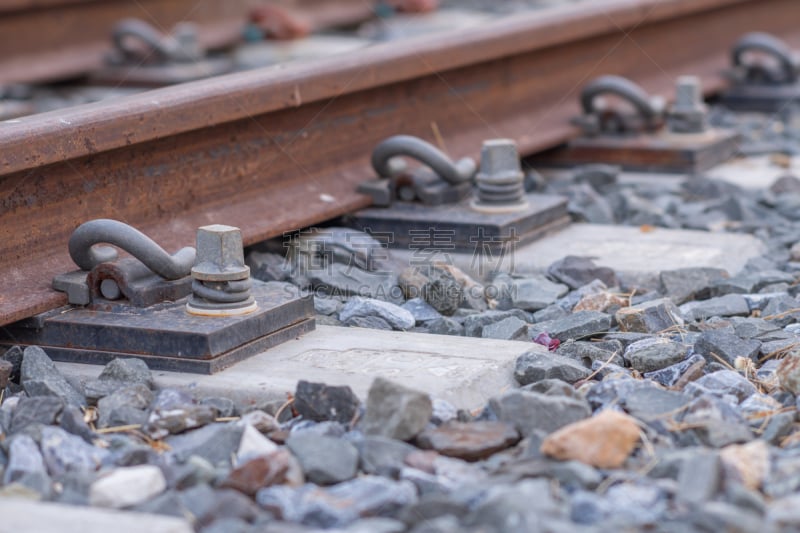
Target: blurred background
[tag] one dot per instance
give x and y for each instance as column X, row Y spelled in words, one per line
column 60, row 53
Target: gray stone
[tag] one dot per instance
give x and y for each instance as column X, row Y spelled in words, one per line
column 784, row 477
column 626, row 337
column 638, row 504
column 26, row 465
column 700, row 478
column 325, row 460
column 340, row 505
column 326, row 306
column 430, row 508
column 442, row 291
column 514, row 508
column 72, row 421
column 40, row 377
column 320, row 402
column 216, row 443
column 653, row 403
column 686, row 284
column 63, row 452
column 781, row 310
column 752, row 282
column 778, row 427
column 421, row 310
column 268, row 266
column 535, row 293
column 474, row 324
column 784, row 514
column 653, row 354
column 225, row 407
column 650, row 317
column 723, row 516
column 14, row 356
column 588, row 352
column 727, row 346
column 445, row 326
column 345, row 281
column 116, row 375
column 552, row 387
column 36, row 410
column 369, row 322
column 722, row 382
column 575, row 326
column 396, row 316
column 714, row 423
column 127, row 406
column 383, row 456
column 206, row 505
column 728, row 305
column 613, row 390
column 788, row 372
column 752, row 328
column 669, row 375
column 511, row 328
column 537, row 366
column 551, row 312
column 577, row 271
column 530, row 411
column 174, row 412
column 443, row 411
column 395, row 411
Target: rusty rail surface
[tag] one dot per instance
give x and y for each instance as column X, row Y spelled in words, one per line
column 48, row 40
column 279, row 148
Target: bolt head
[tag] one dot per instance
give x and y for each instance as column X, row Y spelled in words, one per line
column 220, row 254
column 499, row 156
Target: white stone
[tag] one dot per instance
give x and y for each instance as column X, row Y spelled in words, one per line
column 124, row 487
column 464, row 371
column 21, row 515
column 253, row 444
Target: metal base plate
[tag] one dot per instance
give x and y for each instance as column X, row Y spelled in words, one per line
column 166, row 336
column 458, row 227
column 662, row 152
column 761, row 98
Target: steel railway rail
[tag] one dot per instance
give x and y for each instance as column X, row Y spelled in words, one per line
column 275, row 149
column 47, row 40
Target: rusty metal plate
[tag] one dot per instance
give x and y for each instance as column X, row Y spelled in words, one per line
column 762, row 98
column 165, row 335
column 670, row 153
column 458, row 227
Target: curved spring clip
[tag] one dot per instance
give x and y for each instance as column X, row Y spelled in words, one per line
column 133, row 241
column 625, row 89
column 181, row 46
column 454, row 173
column 129, row 29
column 771, row 46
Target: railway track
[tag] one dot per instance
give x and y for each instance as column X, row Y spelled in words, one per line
column 47, row 40
column 276, row 149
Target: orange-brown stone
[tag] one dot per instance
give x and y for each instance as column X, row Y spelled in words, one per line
column 603, row 441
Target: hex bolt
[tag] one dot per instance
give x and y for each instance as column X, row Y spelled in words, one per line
column 500, row 181
column 221, row 280
column 688, row 114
